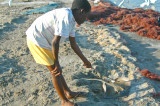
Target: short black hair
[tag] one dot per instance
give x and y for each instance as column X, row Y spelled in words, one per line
column 81, row 4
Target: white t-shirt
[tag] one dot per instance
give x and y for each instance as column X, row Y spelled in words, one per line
column 56, row 22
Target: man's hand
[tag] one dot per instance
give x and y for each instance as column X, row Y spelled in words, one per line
column 57, row 70
column 87, row 64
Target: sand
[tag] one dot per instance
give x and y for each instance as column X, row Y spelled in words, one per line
column 112, row 53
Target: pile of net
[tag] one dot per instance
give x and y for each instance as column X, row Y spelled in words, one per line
column 143, row 22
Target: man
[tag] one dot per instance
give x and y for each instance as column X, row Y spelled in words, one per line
column 43, row 38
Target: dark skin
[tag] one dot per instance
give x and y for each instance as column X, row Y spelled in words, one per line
column 57, row 78
column 80, row 15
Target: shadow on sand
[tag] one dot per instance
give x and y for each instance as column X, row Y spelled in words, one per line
column 146, row 51
column 11, row 26
column 96, row 93
column 145, row 59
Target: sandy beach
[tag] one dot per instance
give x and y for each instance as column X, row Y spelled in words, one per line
column 112, row 53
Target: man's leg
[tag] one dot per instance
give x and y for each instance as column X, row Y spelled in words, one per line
column 65, row 86
column 69, row 94
column 59, row 87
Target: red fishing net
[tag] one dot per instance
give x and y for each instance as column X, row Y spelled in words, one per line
column 143, row 22
column 148, row 74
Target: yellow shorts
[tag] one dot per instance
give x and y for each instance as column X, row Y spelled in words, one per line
column 40, row 55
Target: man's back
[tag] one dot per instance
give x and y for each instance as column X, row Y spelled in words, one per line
column 56, row 22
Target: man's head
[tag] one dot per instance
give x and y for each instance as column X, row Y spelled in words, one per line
column 81, row 9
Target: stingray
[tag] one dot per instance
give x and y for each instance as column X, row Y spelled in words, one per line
column 118, row 88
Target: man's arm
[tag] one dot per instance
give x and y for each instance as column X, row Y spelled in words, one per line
column 77, row 50
column 55, row 50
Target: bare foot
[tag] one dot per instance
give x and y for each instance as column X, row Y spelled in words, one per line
column 70, row 95
column 68, row 103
